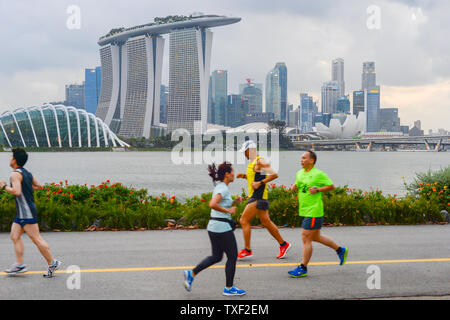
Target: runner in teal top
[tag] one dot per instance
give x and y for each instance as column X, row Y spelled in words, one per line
column 220, row 232
column 221, row 226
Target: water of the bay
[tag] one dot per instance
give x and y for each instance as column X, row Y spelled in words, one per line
column 156, row 172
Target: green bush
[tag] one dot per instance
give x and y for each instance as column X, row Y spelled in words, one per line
column 432, row 186
column 114, row 206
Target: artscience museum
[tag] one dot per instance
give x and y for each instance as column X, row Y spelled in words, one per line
column 352, row 127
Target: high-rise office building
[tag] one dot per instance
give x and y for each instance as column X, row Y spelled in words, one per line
column 164, row 97
column 358, row 102
column 211, row 114
column 142, row 102
column 282, row 73
column 189, row 62
column 92, row 88
column 337, row 74
column 371, row 97
column 75, row 95
column 294, row 118
column 343, row 105
column 323, row 118
column 418, row 124
column 389, row 120
column 242, row 86
column 235, row 111
column 219, row 94
column 369, row 77
column 330, row 94
column 372, row 107
column 253, row 95
column 273, row 93
column 306, row 111
column 131, row 74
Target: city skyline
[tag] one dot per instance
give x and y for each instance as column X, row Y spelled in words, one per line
column 412, row 74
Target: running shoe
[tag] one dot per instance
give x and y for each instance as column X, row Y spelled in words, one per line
column 52, row 268
column 16, row 268
column 233, row 291
column 343, row 256
column 188, row 279
column 298, row 272
column 245, row 254
column 283, row 250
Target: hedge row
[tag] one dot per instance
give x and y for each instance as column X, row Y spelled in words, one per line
column 114, row 206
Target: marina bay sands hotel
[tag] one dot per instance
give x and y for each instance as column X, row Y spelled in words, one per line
column 132, row 61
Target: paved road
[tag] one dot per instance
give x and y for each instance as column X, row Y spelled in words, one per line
column 413, row 260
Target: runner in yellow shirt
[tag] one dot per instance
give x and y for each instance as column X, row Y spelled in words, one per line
column 258, row 174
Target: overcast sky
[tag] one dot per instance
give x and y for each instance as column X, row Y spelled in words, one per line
column 39, row 54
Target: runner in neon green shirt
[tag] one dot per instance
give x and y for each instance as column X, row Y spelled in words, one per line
column 310, row 183
column 310, row 204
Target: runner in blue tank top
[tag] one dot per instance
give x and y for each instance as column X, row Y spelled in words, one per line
column 22, row 187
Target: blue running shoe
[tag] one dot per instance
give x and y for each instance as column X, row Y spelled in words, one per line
column 298, row 272
column 233, row 291
column 188, row 279
column 343, row 256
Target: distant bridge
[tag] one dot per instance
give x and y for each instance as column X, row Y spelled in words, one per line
column 431, row 143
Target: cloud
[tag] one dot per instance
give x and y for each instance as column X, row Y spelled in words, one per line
column 428, row 103
column 409, row 48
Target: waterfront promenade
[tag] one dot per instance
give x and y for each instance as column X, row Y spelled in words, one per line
column 413, row 261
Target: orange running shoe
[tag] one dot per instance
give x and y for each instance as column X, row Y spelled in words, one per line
column 283, row 250
column 244, row 254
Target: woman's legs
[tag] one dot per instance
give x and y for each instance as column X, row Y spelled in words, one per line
column 217, row 253
column 230, row 248
column 221, row 242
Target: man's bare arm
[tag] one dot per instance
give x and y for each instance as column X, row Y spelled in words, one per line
column 16, row 182
column 36, row 184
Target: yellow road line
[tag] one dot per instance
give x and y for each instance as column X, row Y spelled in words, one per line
column 243, row 266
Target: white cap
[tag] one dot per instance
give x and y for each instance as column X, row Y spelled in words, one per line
column 249, row 144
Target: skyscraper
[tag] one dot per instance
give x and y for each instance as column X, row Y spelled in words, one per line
column 142, row 98
column 75, row 95
column 358, row 102
column 330, row 94
column 372, row 97
column 389, row 120
column 372, row 107
column 253, row 95
column 337, row 74
column 282, row 72
column 92, row 87
column 219, row 93
column 242, row 86
column 369, row 77
column 189, row 61
column 273, row 93
column 131, row 74
column 164, row 97
column 235, row 111
column 211, row 113
column 343, row 105
column 306, row 118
